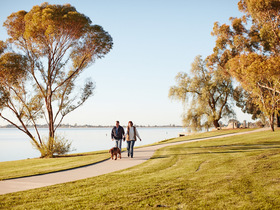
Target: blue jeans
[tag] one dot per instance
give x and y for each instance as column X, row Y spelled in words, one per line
column 118, row 143
column 130, row 145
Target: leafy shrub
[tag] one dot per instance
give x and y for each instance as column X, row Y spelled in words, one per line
column 259, row 124
column 53, row 146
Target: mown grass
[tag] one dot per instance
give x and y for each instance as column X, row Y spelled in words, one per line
column 206, row 135
column 238, row 172
column 28, row 167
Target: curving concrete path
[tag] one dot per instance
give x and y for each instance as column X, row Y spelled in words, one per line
column 104, row 167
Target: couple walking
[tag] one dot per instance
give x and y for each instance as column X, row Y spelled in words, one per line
column 118, row 135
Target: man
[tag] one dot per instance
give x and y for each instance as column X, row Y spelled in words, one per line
column 117, row 134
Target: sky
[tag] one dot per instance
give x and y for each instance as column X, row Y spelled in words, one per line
column 153, row 41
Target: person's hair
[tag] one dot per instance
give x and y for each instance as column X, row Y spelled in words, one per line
column 117, row 121
column 130, row 122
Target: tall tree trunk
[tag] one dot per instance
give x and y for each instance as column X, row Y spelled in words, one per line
column 51, row 132
column 51, row 123
column 216, row 123
column 278, row 119
column 271, row 121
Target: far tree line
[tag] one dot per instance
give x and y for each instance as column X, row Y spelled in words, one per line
column 247, row 51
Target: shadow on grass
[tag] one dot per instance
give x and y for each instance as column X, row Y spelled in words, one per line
column 160, row 157
column 222, row 149
column 264, row 145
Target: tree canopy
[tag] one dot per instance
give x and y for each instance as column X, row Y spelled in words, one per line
column 206, row 93
column 245, row 101
column 48, row 48
column 250, row 52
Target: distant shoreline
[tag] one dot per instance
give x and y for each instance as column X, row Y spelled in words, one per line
column 98, row 126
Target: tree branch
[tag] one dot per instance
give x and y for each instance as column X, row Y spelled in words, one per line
column 30, row 114
column 267, row 87
column 72, row 75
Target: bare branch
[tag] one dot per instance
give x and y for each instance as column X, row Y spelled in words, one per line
column 267, row 87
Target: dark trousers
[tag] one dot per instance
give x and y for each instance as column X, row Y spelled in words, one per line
column 130, row 145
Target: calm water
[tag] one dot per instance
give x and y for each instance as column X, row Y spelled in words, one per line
column 15, row 145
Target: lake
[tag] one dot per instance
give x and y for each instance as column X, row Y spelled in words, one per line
column 15, row 145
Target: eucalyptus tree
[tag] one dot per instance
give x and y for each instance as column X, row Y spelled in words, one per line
column 246, row 103
column 206, row 94
column 250, row 50
column 47, row 50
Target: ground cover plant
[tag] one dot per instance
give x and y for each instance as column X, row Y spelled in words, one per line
column 238, row 172
column 28, row 167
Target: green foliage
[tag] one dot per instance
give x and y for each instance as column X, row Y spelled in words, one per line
column 2, row 46
column 252, row 70
column 53, row 146
column 265, row 16
column 245, row 101
column 12, row 69
column 62, row 146
column 208, row 93
column 250, row 52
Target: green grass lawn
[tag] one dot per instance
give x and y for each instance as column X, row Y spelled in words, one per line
column 206, row 135
column 238, row 172
column 28, row 167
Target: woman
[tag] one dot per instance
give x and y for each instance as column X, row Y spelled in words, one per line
column 131, row 135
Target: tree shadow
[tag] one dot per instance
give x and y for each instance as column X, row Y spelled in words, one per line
column 160, row 157
column 226, row 149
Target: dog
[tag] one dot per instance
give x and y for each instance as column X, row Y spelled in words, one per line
column 114, row 152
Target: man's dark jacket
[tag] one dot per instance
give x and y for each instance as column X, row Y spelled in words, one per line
column 118, row 135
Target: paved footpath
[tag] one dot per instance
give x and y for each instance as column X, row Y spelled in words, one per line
column 104, row 167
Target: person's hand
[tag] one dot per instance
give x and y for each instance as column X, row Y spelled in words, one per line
column 112, row 139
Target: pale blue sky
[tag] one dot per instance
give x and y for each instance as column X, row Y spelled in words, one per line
column 153, row 41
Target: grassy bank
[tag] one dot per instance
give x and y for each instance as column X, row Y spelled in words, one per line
column 28, row 167
column 206, row 135
column 238, row 172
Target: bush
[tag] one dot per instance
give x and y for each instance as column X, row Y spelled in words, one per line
column 259, row 124
column 57, row 146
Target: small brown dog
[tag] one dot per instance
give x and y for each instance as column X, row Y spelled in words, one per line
column 114, row 152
